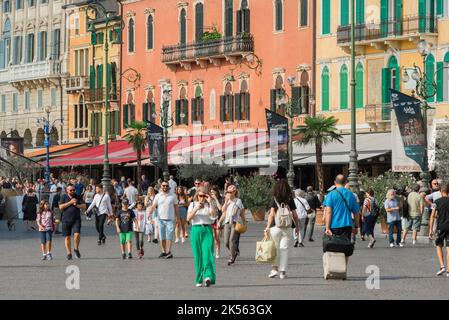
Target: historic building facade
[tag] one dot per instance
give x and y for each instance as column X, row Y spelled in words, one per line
column 32, row 68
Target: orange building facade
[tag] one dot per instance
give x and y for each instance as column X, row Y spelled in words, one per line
column 224, row 61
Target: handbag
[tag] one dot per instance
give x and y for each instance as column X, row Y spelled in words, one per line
column 266, row 250
column 240, row 227
column 338, row 243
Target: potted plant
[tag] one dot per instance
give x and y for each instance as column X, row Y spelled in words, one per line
column 256, row 194
column 211, row 35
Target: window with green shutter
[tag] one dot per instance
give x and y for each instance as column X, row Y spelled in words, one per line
column 344, row 12
column 125, row 116
column 199, row 21
column 383, row 18
column 178, row 112
column 131, row 35
column 296, row 100
column 279, row 15
column 150, row 32
column 386, row 80
column 229, row 18
column 359, row 86
column 430, row 72
column 326, row 17
column 440, row 7
column 2, row 54
column 344, row 87
column 440, row 79
column 422, row 12
column 304, row 16
column 27, row 100
column 15, row 102
column 55, row 44
column 100, row 76
column 237, row 106
column 325, row 101
column 29, row 47
column 360, row 12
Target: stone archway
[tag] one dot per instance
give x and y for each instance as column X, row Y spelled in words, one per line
column 27, row 139
column 40, row 137
column 54, row 137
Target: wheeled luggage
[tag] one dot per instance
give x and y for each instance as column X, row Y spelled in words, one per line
column 334, row 265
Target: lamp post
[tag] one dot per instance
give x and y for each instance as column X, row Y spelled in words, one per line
column 166, row 122
column 48, row 131
column 424, row 82
column 353, row 156
column 284, row 99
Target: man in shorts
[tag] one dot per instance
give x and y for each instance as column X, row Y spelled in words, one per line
column 441, row 213
column 71, row 206
column 168, row 213
column 416, row 205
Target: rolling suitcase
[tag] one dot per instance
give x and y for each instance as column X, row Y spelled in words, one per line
column 334, row 265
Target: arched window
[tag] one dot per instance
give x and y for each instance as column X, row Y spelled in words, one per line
column 198, row 106
column 40, row 137
column 430, row 72
column 446, row 77
column 359, row 86
column 54, row 137
column 229, row 18
column 149, row 108
column 199, row 21
column 182, row 108
column 344, row 87
column 242, row 102
column 150, row 32
column 131, row 35
column 277, row 93
column 305, row 92
column 227, row 104
column 390, row 80
column 279, row 15
column 325, row 101
column 182, row 27
column 243, row 18
column 3, row 135
column 129, row 111
column 5, row 45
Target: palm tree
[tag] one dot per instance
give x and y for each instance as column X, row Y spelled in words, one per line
column 136, row 135
column 320, row 131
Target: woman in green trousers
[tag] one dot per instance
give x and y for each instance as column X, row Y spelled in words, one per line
column 201, row 215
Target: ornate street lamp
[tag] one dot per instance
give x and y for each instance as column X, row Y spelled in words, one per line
column 48, row 131
column 166, row 123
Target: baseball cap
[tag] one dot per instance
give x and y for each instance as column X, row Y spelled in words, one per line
column 125, row 201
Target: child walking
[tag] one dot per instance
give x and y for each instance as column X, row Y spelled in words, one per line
column 124, row 224
column 139, row 228
column 45, row 220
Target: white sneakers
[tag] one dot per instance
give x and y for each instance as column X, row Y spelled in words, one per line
column 183, row 240
column 441, row 271
column 282, row 275
column 391, row 245
column 273, row 274
column 177, row 240
column 401, row 244
column 198, row 285
column 414, row 242
column 217, row 254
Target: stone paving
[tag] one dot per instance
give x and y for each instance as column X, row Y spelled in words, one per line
column 405, row 273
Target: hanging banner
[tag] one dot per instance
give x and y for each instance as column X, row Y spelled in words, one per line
column 411, row 126
column 277, row 126
column 155, row 135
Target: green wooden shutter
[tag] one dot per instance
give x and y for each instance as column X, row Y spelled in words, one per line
column 185, row 110
column 344, row 88
column 125, row 115
column 116, row 122
column 100, row 76
column 273, row 99
column 360, row 15
column 182, row 27
column 326, row 17
column 325, row 90
column 430, row 71
column 92, row 124
column 100, row 123
column 344, row 12
column 93, row 38
column 108, row 80
column 178, row 112
column 398, row 17
column 246, row 20
column 229, row 19
column 440, row 7
column 237, row 106
column 296, row 100
column 14, row 51
column 386, row 78
column 440, row 72
column 193, row 106
column 247, row 105
column 150, row 31
column 92, row 78
column 359, row 87
column 201, row 106
column 132, row 108
column 152, row 111
column 145, row 111
column 239, row 21
column 422, row 15
column 199, row 21
column 231, row 108
column 383, row 18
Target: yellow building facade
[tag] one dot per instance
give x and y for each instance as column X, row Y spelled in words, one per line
column 86, row 85
column 387, row 35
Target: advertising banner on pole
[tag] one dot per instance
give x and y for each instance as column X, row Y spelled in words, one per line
column 277, row 126
column 155, row 135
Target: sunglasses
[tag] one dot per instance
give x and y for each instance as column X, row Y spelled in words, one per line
column 201, row 196
column 164, row 186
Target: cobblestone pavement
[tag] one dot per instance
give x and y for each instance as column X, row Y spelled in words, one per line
column 405, row 273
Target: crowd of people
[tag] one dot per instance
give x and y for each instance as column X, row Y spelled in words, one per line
column 160, row 212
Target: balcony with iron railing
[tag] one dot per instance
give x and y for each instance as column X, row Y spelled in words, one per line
column 378, row 116
column 76, row 83
column 207, row 51
column 406, row 29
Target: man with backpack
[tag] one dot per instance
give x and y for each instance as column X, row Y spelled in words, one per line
column 341, row 205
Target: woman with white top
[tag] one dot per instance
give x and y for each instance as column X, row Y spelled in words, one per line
column 149, row 198
column 202, row 214
column 102, row 203
column 89, row 195
column 232, row 212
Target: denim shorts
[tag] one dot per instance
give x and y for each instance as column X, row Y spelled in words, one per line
column 46, row 236
column 166, row 229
